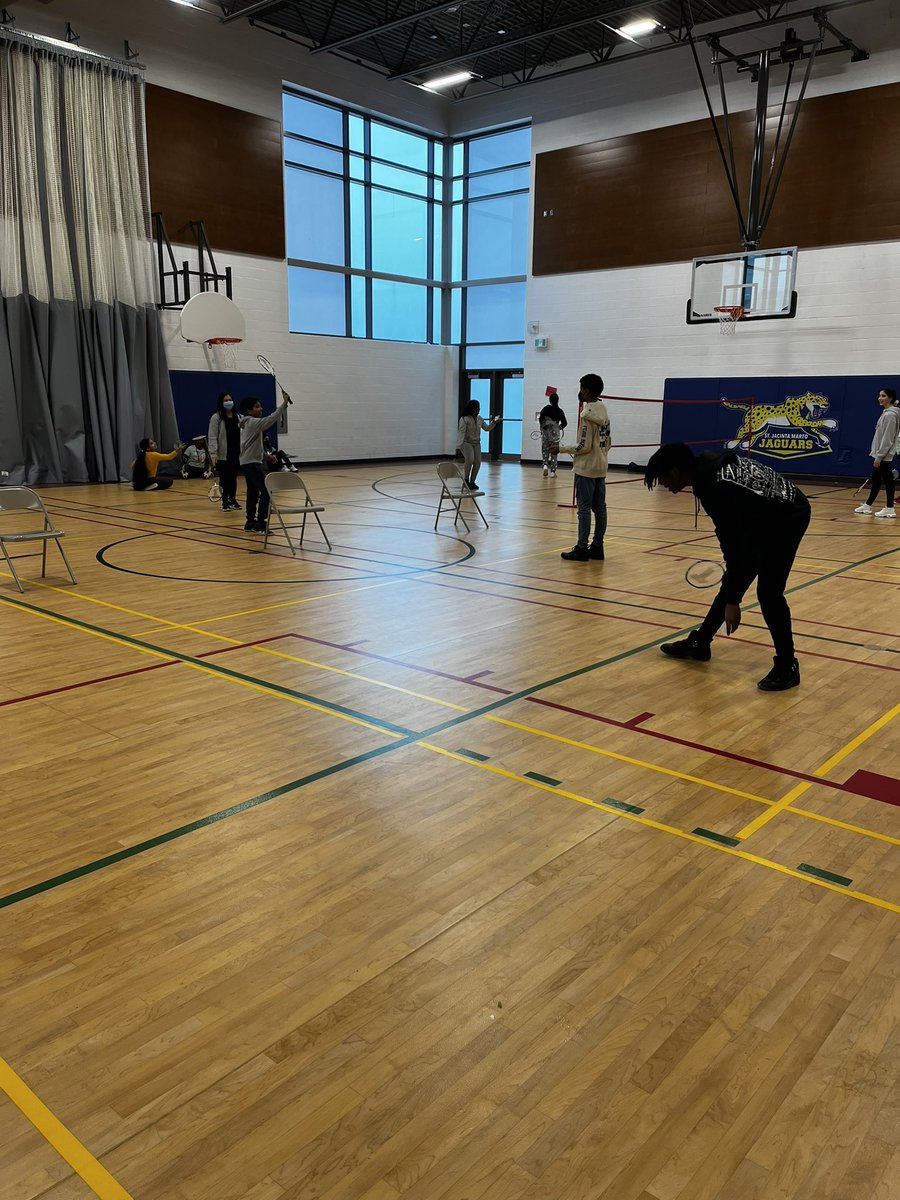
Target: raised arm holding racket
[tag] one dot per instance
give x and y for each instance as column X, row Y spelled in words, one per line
column 267, row 366
column 760, row 518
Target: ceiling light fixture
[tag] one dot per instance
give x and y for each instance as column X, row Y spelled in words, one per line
column 446, row 80
column 636, row 29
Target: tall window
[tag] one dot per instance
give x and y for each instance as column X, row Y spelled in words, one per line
column 491, row 177
column 364, row 206
column 397, row 235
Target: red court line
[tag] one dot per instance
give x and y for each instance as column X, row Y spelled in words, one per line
column 856, row 662
column 488, row 687
column 604, row 587
column 634, row 724
column 172, row 662
column 868, row 579
column 133, row 528
column 667, row 737
column 545, row 604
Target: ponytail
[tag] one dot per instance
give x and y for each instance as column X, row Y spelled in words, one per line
column 139, row 475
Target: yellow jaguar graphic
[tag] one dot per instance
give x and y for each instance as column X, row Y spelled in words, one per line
column 785, row 430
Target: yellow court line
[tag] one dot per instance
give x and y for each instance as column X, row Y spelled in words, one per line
column 220, row 637
column 649, row 823
column 66, row 1145
column 196, row 666
column 802, row 812
column 634, row 762
column 795, row 792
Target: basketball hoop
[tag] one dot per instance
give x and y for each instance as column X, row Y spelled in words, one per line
column 229, row 352
column 729, row 315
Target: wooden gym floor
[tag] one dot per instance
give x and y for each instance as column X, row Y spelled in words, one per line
column 415, row 871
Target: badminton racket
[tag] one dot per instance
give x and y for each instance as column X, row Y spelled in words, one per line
column 267, row 366
column 704, row 574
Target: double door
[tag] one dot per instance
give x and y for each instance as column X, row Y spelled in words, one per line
column 500, row 394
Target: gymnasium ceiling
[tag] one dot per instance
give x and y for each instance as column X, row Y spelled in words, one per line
column 506, row 43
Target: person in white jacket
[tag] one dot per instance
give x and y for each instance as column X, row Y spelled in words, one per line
column 884, row 447
column 590, row 454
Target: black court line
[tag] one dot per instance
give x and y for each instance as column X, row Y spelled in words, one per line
column 346, row 764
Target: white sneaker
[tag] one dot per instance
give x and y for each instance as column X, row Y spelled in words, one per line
column 552, row 474
column 546, row 472
column 863, row 508
column 887, row 512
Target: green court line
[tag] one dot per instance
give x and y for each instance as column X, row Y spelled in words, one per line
column 542, row 778
column 226, row 672
column 827, row 875
column 472, row 754
column 715, row 837
column 141, row 847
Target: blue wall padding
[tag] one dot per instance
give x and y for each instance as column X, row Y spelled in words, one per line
column 789, row 436
column 195, row 394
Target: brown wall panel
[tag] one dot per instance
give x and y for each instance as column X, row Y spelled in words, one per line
column 661, row 196
column 216, row 164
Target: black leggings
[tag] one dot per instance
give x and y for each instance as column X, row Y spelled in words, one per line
column 774, row 559
column 155, row 485
column 882, row 475
column 228, row 473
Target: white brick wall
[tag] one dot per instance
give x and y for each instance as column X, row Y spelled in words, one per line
column 352, row 398
column 628, row 326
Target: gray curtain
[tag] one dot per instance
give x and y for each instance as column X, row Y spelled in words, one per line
column 83, row 373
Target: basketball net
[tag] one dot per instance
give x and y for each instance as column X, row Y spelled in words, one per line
column 225, row 351
column 729, row 315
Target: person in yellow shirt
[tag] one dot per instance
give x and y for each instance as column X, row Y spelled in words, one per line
column 143, row 469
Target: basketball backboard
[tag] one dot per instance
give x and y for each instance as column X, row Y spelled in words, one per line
column 210, row 315
column 760, row 280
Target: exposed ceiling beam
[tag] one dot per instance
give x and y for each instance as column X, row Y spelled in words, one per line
column 252, row 10
column 674, row 44
column 604, row 19
column 593, row 19
column 397, row 23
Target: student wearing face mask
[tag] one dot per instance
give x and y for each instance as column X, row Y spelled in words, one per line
column 223, row 439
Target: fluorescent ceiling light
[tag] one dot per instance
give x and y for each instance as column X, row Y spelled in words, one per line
column 446, row 80
column 186, row 3
column 636, row 28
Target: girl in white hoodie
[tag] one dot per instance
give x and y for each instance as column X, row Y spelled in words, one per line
column 884, row 446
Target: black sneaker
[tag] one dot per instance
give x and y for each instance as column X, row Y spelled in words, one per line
column 596, row 551
column 781, row 677
column 259, row 527
column 250, row 527
column 691, row 647
column 576, row 554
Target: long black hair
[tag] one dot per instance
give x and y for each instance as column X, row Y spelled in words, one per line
column 226, row 414
column 471, row 409
column 139, row 474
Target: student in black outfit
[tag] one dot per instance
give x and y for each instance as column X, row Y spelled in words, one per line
column 552, row 421
column 223, row 440
column 760, row 518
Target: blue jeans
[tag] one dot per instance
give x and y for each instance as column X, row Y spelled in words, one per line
column 590, row 496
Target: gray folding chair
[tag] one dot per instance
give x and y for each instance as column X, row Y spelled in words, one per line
column 453, row 491
column 289, row 497
column 26, row 503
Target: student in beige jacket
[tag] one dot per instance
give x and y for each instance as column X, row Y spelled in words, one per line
column 590, row 454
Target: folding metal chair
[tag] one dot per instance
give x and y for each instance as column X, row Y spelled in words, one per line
column 453, row 491
column 289, row 496
column 24, row 500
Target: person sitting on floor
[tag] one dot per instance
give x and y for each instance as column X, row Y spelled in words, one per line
column 144, row 467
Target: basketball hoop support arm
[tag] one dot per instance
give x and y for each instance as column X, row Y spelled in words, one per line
column 764, row 182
